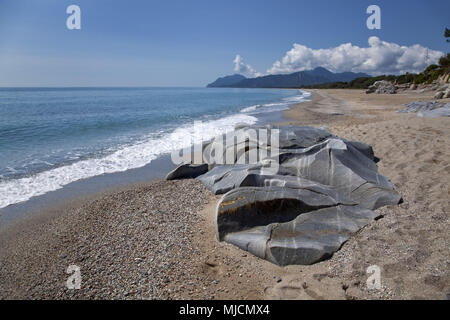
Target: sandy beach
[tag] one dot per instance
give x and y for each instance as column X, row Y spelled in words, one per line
column 156, row 240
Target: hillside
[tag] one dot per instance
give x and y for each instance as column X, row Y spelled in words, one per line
column 294, row 80
column 226, row 81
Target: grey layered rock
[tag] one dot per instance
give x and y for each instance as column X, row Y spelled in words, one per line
column 446, row 94
column 427, row 109
column 187, row 171
column 382, row 86
column 341, row 165
column 313, row 235
column 346, row 166
column 247, row 207
column 439, row 95
column 307, row 192
column 439, row 112
column 417, row 106
column 294, row 137
column 222, row 179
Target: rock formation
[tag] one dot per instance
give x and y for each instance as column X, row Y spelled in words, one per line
column 442, row 92
column 186, row 171
column 382, row 86
column 307, row 192
column 427, row 109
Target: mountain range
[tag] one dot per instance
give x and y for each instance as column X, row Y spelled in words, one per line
column 299, row 79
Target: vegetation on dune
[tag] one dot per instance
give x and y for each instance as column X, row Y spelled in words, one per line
column 430, row 74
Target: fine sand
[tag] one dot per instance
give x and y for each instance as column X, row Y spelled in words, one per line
column 157, row 240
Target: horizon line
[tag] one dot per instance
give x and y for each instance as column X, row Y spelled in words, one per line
column 96, row 86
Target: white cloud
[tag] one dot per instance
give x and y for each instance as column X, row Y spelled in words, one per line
column 380, row 57
column 242, row 68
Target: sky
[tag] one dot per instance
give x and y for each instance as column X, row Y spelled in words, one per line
column 191, row 43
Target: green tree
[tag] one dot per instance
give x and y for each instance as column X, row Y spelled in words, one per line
column 445, row 61
column 447, row 34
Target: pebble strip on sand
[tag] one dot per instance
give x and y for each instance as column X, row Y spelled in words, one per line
column 129, row 244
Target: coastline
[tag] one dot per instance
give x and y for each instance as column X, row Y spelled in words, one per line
column 80, row 191
column 110, row 234
column 63, row 211
column 140, row 159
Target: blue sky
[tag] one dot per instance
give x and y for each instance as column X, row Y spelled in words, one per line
column 190, row 43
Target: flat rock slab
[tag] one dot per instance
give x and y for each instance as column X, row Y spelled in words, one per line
column 440, row 112
column 247, row 207
column 309, row 238
column 427, row 109
column 187, row 171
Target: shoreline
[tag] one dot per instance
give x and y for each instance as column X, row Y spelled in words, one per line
column 29, row 221
column 90, row 186
column 78, row 192
column 418, row 164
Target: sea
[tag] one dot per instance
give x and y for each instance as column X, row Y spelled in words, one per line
column 51, row 137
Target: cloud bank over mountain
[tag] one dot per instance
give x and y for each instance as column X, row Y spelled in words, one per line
column 245, row 69
column 380, row 57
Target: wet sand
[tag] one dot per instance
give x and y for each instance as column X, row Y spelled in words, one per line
column 156, row 239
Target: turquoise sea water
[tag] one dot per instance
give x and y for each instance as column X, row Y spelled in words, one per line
column 50, row 137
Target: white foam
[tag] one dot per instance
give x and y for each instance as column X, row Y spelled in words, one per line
column 304, row 95
column 129, row 157
column 277, row 106
column 249, row 109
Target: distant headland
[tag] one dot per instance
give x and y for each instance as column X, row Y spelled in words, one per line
column 316, row 76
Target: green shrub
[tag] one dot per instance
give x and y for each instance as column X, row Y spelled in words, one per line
column 406, row 78
column 445, row 61
column 430, row 74
column 431, row 67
